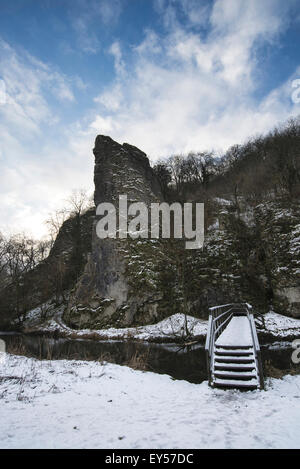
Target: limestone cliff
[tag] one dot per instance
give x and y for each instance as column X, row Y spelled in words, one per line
column 104, row 294
column 250, row 253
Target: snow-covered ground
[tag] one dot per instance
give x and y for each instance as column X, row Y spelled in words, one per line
column 172, row 328
column 281, row 326
column 77, row 404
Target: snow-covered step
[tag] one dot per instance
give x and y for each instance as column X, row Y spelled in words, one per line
column 235, row 374
column 234, row 383
column 233, row 354
column 221, row 351
column 234, row 359
column 233, row 347
column 235, row 366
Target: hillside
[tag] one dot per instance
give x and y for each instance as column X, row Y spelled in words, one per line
column 251, row 250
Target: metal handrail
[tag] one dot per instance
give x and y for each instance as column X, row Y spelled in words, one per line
column 218, row 320
column 257, row 352
column 230, row 304
column 215, row 327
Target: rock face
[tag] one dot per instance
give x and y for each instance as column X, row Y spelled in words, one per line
column 279, row 224
column 250, row 254
column 103, row 296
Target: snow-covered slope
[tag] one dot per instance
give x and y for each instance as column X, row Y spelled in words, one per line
column 172, row 328
column 281, row 326
column 63, row 404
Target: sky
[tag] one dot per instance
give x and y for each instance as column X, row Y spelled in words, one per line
column 168, row 76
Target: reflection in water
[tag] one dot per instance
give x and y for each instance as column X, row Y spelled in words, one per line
column 188, row 363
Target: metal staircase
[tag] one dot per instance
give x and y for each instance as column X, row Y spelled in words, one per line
column 232, row 348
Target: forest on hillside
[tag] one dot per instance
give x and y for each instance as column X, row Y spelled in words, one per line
column 260, row 169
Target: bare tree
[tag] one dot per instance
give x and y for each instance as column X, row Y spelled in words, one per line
column 163, row 174
column 55, row 222
column 20, row 255
column 75, row 205
column 78, row 202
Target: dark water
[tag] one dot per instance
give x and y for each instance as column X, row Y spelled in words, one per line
column 187, row 363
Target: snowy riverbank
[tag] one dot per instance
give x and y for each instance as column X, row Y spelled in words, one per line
column 279, row 326
column 63, row 404
column 172, row 329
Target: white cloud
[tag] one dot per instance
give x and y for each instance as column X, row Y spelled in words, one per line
column 112, row 98
column 87, row 40
column 36, row 171
column 150, row 45
column 105, row 124
column 32, row 186
column 88, row 14
column 250, row 19
column 187, row 92
column 28, row 81
column 195, row 13
column 109, row 10
column 181, row 91
column 115, row 51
